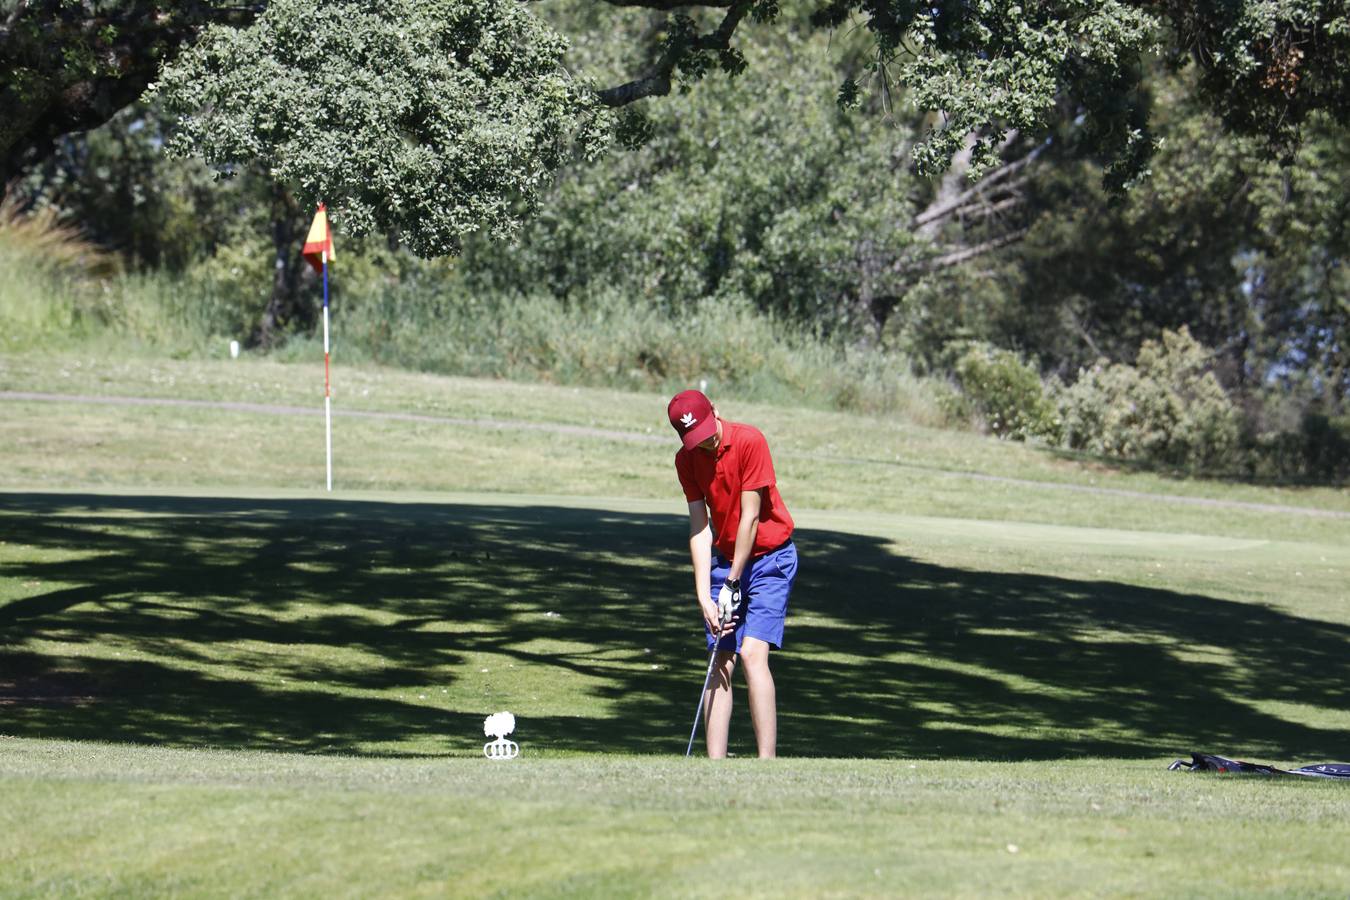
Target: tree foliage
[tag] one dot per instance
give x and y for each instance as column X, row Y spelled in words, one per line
column 156, row 213
column 70, row 65
column 752, row 188
column 1245, row 251
column 1266, row 67
column 991, row 67
column 465, row 97
column 428, row 118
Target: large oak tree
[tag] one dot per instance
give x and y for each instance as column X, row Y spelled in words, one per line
column 438, row 117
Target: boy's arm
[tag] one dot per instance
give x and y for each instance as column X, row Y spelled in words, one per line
column 700, row 554
column 751, row 502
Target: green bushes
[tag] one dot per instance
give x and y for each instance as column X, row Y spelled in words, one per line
column 52, row 287
column 1325, row 446
column 1007, row 393
column 60, row 289
column 1318, row 449
column 1167, row 408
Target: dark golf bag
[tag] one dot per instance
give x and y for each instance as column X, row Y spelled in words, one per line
column 1205, row 762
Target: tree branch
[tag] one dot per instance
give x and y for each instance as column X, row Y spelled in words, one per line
column 19, row 9
column 670, row 5
column 986, row 209
column 956, row 257
column 656, row 83
column 945, row 209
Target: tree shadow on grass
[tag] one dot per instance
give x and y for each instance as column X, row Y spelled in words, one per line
column 320, row 626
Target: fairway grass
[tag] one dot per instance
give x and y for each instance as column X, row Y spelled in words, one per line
column 391, row 625
column 216, row 680
column 399, row 432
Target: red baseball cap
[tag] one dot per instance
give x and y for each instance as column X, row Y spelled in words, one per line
column 691, row 415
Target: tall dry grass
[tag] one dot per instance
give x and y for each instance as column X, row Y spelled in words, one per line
column 58, row 291
column 39, row 239
column 50, row 279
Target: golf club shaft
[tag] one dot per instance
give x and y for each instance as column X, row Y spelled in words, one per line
column 712, row 657
column 698, row 713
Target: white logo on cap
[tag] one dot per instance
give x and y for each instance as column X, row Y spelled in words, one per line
column 688, row 420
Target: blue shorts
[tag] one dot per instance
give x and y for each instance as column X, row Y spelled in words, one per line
column 765, row 586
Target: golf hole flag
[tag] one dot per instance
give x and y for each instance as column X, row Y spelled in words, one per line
column 319, row 245
column 317, row 252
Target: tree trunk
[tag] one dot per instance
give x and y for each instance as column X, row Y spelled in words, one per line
column 285, row 307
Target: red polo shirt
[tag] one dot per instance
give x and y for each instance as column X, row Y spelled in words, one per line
column 742, row 463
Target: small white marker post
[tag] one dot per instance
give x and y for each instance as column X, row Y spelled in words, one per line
column 499, row 725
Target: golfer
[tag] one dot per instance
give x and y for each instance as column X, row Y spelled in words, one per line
column 740, row 542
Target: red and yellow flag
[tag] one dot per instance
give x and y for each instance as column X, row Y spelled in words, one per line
column 319, row 244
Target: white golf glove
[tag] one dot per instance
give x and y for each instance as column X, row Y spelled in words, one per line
column 729, row 600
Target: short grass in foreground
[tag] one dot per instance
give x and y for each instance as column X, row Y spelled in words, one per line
column 94, row 819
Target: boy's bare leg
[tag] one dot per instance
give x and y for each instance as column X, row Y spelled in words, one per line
column 717, row 705
column 763, row 695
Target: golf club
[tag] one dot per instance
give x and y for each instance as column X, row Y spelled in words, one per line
column 721, row 623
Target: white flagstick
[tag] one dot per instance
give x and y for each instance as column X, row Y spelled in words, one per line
column 327, row 391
